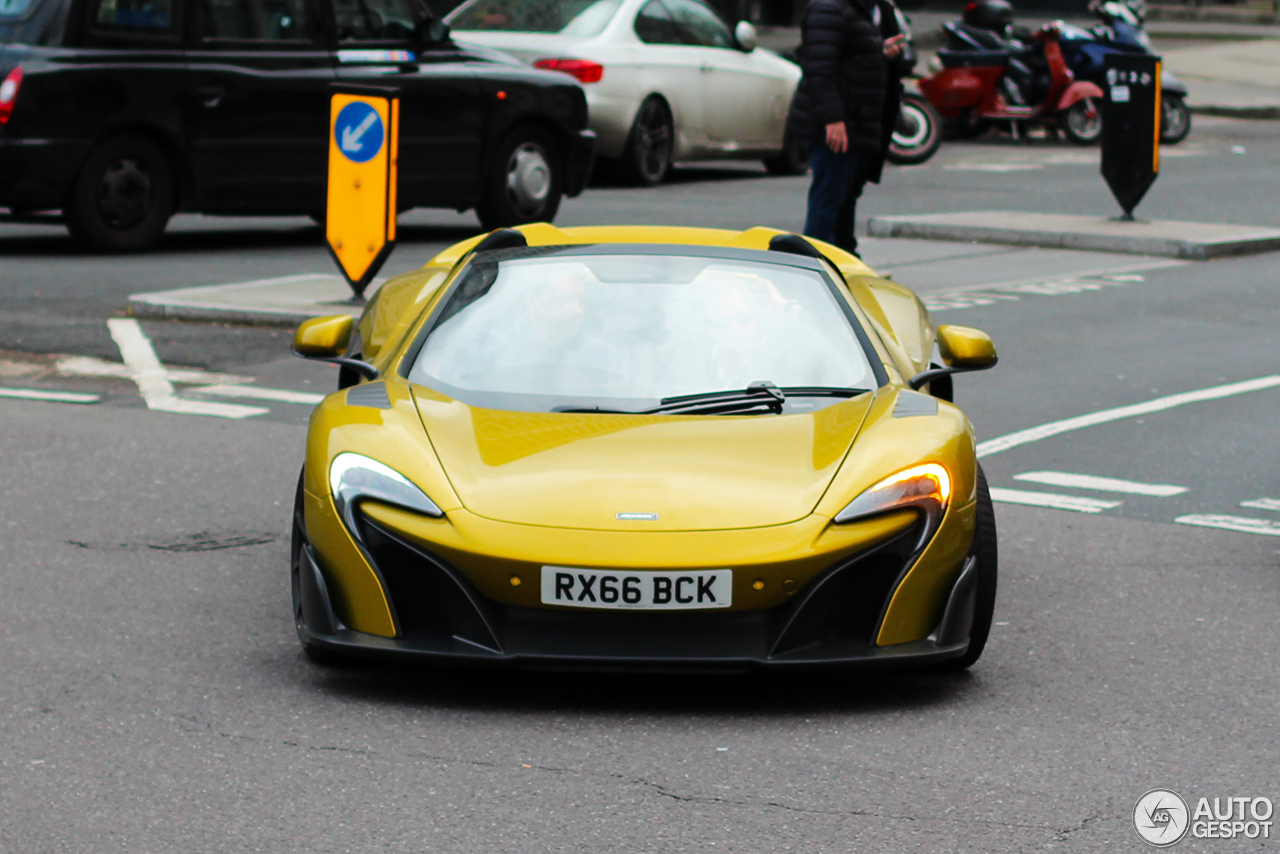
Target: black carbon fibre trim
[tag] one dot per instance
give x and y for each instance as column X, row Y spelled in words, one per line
column 913, row 403
column 373, row 395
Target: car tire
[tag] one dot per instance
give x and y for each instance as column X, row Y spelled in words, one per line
column 918, row 133
column 792, row 160
column 298, row 541
column 1082, row 122
column 650, row 145
column 526, row 180
column 1175, row 120
column 123, row 195
column 984, row 549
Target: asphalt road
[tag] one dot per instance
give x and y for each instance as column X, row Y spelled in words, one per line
column 155, row 699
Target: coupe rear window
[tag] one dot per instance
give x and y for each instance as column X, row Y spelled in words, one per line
column 621, row 331
column 566, row 17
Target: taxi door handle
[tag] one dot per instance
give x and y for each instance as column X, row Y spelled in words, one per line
column 211, row 96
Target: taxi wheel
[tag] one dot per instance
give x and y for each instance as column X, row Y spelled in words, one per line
column 123, row 196
column 525, row 180
column 984, row 549
column 317, row 654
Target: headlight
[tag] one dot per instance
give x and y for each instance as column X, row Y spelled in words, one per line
column 926, row 488
column 355, row 478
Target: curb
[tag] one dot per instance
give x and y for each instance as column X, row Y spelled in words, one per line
column 1202, row 14
column 202, row 314
column 1250, row 240
column 1260, row 112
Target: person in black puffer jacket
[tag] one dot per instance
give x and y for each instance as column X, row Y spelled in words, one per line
column 839, row 108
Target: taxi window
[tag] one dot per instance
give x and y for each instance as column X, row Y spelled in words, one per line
column 698, row 25
column 377, row 20
column 16, row 10
column 254, row 20
column 134, row 16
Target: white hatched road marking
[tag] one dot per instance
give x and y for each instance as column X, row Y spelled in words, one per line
column 258, row 393
column 1054, row 428
column 54, row 396
column 153, row 380
column 91, row 366
column 1070, row 283
column 1245, row 524
column 1078, row 503
column 1262, row 503
column 1103, row 484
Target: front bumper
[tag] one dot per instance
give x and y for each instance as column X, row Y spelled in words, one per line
column 443, row 619
column 580, row 157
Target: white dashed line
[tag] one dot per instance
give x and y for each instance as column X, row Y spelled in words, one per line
column 1102, row 484
column 1245, row 524
column 54, row 396
column 1078, row 503
column 153, row 380
column 1262, row 504
column 257, row 393
column 1054, row 428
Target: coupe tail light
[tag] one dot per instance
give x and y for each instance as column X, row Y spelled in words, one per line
column 584, row 69
column 9, row 94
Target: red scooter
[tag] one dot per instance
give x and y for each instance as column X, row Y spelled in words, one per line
column 966, row 93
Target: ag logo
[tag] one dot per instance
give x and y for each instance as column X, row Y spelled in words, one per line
column 1161, row 817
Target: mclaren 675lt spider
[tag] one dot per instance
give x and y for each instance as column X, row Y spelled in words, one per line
column 644, row 447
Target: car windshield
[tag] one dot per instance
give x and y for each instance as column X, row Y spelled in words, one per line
column 625, row 331
column 566, row 17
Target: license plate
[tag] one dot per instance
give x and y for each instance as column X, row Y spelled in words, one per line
column 663, row 591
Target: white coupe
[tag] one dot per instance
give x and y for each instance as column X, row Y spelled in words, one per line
column 665, row 79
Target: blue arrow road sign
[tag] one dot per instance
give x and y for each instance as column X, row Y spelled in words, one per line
column 359, row 132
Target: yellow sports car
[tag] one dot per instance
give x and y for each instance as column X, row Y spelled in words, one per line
column 649, row 447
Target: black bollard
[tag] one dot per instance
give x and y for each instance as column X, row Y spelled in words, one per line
column 1131, row 127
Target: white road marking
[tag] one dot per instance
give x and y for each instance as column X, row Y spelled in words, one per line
column 1054, row 428
column 1078, row 503
column 55, row 396
column 91, row 366
column 1262, row 503
column 1073, row 283
column 1103, row 484
column 1244, row 524
column 259, row 393
column 153, row 380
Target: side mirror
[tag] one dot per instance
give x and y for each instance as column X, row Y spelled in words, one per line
column 325, row 339
column 966, row 349
column 432, row 31
column 746, row 37
column 963, row 349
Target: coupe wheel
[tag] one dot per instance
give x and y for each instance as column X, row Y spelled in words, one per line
column 1175, row 119
column 651, row 144
column 984, row 549
column 525, row 183
column 918, row 133
column 123, row 196
column 1082, row 122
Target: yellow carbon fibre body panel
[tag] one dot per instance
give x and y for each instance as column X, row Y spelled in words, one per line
column 752, row 493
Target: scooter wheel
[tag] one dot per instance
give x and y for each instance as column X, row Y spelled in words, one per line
column 918, row 133
column 1082, row 122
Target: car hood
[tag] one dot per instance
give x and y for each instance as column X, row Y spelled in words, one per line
column 656, row 472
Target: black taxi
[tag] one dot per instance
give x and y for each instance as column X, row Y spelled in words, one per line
column 119, row 113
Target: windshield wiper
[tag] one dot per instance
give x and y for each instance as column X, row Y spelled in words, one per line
column 759, row 395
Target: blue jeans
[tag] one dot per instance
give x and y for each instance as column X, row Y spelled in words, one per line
column 837, row 183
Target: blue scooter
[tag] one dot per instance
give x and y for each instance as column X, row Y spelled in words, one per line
column 1121, row 32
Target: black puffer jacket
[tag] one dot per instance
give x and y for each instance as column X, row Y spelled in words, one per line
column 845, row 73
